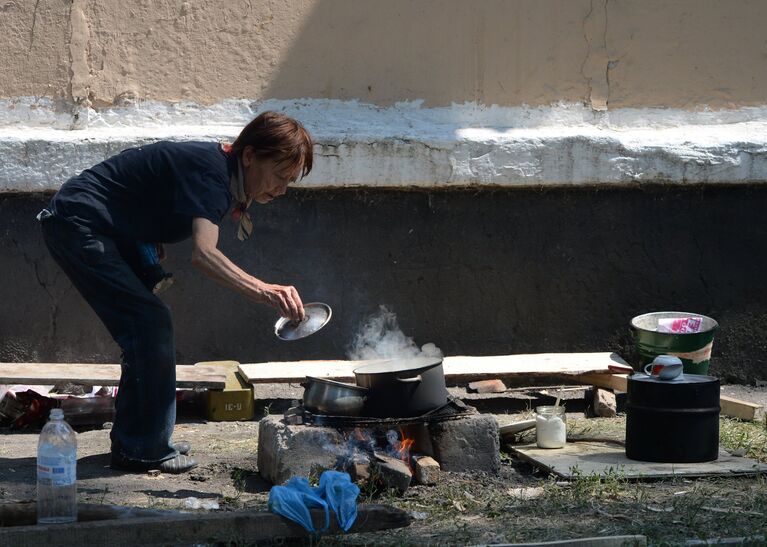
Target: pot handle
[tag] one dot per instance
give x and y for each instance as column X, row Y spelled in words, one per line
column 413, row 380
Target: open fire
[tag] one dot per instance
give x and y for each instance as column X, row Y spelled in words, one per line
column 362, row 442
column 375, row 451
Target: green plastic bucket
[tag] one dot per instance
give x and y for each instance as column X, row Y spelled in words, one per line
column 693, row 348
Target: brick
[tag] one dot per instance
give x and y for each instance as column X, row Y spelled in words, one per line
column 487, row 386
column 605, row 405
column 426, row 470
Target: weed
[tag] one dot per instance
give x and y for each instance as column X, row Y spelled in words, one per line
column 240, row 479
column 267, row 410
column 749, row 436
column 314, row 475
column 104, row 495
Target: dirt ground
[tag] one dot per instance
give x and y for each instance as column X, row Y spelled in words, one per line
column 520, row 504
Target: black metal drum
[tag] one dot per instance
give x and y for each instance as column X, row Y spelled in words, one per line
column 672, row 421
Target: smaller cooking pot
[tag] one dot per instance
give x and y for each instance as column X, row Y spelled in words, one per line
column 333, row 398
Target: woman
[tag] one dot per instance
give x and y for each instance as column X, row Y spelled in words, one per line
column 100, row 224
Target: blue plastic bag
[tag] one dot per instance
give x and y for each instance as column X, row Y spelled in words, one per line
column 341, row 495
column 336, row 491
column 294, row 499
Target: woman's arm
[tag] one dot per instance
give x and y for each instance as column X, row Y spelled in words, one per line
column 213, row 263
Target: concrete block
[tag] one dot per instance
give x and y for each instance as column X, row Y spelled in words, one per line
column 467, row 444
column 285, row 451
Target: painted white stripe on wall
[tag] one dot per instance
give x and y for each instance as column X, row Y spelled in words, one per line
column 43, row 143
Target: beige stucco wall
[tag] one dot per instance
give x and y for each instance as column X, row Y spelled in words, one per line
column 614, row 53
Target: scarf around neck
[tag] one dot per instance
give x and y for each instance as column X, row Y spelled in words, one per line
column 241, row 202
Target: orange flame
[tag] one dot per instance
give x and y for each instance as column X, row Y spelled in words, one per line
column 403, row 447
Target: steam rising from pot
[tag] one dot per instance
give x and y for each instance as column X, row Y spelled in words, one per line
column 381, row 338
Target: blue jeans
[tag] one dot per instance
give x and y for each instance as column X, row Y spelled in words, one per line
column 145, row 410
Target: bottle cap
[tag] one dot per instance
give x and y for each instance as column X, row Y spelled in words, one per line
column 57, row 413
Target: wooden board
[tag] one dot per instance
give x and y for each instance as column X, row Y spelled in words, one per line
column 588, row 458
column 101, row 375
column 736, row 408
column 457, row 369
column 617, row 382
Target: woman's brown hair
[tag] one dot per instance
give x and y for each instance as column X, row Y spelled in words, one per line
column 278, row 137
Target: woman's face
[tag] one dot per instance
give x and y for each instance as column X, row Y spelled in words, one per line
column 265, row 179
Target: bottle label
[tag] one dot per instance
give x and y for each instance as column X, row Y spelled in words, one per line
column 56, row 471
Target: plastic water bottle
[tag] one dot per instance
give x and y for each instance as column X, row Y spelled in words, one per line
column 56, row 471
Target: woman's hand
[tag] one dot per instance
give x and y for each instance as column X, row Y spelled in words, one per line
column 207, row 257
column 284, row 298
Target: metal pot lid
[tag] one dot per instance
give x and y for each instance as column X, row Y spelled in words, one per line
column 354, row 387
column 316, row 316
column 681, row 379
column 385, row 366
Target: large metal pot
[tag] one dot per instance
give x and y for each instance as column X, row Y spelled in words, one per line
column 402, row 388
column 333, row 398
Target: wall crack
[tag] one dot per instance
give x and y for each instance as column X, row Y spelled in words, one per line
column 32, row 30
column 595, row 67
column 54, row 307
column 79, row 70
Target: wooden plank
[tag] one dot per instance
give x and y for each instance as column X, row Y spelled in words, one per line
column 24, row 513
column 586, row 458
column 101, row 375
column 235, row 527
column 457, row 368
column 734, row 408
column 508, row 431
column 618, row 382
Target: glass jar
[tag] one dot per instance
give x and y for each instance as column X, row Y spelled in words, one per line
column 550, row 426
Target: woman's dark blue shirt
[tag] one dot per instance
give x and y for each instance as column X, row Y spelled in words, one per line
column 150, row 193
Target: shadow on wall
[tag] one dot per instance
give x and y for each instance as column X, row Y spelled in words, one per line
column 490, row 51
column 534, row 52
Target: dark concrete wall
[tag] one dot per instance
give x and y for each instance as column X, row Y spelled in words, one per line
column 476, row 272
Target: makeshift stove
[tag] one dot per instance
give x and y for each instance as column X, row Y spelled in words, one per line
column 453, row 437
